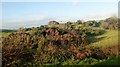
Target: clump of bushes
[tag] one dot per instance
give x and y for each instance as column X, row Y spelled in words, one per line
column 16, row 55
column 91, row 31
column 110, row 23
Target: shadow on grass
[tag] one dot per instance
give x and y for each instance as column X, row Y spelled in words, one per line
column 93, row 39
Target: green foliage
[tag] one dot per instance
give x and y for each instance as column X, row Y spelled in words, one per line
column 91, row 31
column 91, row 23
column 53, row 23
column 79, row 22
column 112, row 60
column 87, row 61
column 7, row 30
column 63, row 31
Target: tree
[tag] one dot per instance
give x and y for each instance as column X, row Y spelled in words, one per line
column 53, row 23
column 79, row 22
column 21, row 30
column 69, row 23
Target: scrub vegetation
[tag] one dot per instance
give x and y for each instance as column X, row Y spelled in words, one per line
column 71, row 43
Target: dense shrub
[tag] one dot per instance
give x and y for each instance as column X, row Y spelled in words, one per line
column 91, row 31
column 92, row 23
column 16, row 55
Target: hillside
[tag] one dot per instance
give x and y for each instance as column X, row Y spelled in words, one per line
column 70, row 43
column 110, row 38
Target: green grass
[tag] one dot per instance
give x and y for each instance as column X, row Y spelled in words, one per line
column 110, row 38
column 112, row 60
column 4, row 34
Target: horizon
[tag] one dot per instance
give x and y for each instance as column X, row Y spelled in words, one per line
column 33, row 14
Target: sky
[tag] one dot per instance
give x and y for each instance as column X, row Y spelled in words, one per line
column 33, row 14
column 59, row 0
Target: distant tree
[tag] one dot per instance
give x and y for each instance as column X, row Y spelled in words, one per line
column 27, row 29
column 21, row 30
column 42, row 27
column 92, row 23
column 79, row 22
column 7, row 30
column 69, row 23
column 87, row 24
column 53, row 23
column 96, row 24
column 110, row 23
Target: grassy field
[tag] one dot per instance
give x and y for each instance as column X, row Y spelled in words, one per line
column 109, row 38
column 4, row 34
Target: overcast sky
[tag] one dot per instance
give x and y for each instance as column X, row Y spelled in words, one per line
column 29, row 14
